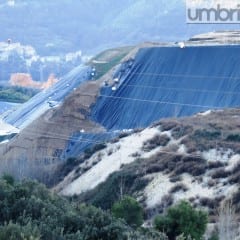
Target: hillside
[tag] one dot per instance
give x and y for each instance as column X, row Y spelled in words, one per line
column 154, row 81
column 195, row 158
column 158, row 122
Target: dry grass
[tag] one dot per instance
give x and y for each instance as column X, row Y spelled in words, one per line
column 157, row 141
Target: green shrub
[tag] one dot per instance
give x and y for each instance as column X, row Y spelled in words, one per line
column 182, row 219
column 233, row 138
column 13, row 231
column 156, row 141
column 16, row 94
column 129, row 210
column 130, row 179
column 90, row 151
column 209, row 135
column 178, row 187
column 220, row 173
column 9, row 179
column 28, row 210
column 7, row 137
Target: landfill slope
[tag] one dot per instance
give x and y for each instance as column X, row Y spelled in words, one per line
column 166, row 82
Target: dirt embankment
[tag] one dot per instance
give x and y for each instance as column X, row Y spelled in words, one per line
column 36, row 151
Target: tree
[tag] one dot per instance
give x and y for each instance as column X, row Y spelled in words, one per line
column 129, row 210
column 9, row 179
column 13, row 231
column 182, row 219
column 28, row 211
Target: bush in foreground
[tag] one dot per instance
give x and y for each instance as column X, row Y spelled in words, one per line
column 182, row 219
column 129, row 210
column 13, row 231
column 28, row 211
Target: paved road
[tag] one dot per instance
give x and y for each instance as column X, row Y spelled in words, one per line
column 49, row 98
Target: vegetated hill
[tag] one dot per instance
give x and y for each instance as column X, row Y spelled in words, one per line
column 154, row 81
column 195, row 158
column 30, row 211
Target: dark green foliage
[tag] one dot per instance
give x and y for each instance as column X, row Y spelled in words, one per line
column 212, row 165
column 182, row 219
column 220, row 173
column 195, row 166
column 129, row 210
column 176, row 164
column 16, row 94
column 7, row 137
column 208, row 135
column 90, row 151
column 234, row 174
column 208, row 202
column 233, row 138
column 65, row 168
column 168, row 125
column 9, row 179
column 202, row 139
column 181, row 131
column 69, row 165
column 29, row 209
column 107, row 193
column 13, row 231
column 156, row 141
column 178, row 187
column 124, row 134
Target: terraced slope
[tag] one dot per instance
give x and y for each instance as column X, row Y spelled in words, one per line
column 170, row 82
